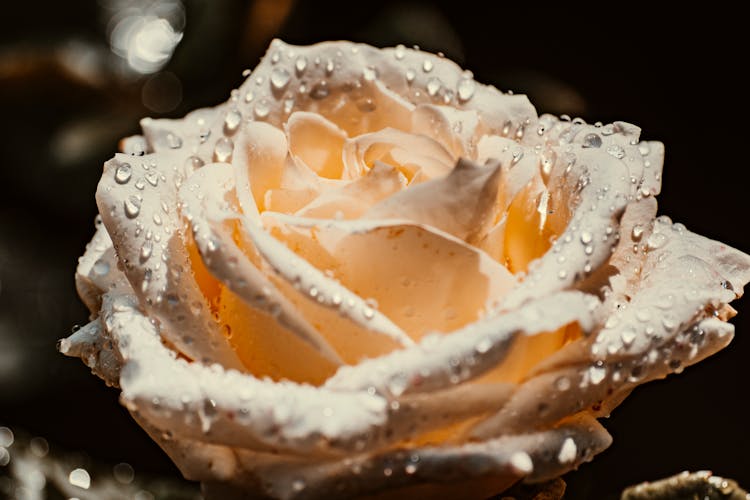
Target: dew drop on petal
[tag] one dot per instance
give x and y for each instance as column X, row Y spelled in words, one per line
column 465, row 89
column 279, row 78
column 616, row 151
column 627, row 336
column 656, row 240
column 637, row 232
column 174, row 141
column 261, row 109
column 101, row 267
column 597, row 374
column 320, row 90
column 223, row 150
column 427, row 66
column 568, row 451
column 369, row 73
column 232, row 121
column 433, row 86
column 400, row 52
column 592, row 141
column 521, row 462
column 123, row 173
column 562, row 383
column 132, row 206
column 300, row 64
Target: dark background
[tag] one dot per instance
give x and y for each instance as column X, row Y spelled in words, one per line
column 65, row 101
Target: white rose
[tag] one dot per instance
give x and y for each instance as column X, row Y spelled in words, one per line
column 366, row 273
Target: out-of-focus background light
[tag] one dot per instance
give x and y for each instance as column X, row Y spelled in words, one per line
column 145, row 33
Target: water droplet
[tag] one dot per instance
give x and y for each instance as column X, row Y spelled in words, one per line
column 123, row 173
column 329, row 67
column 465, row 89
column 152, row 178
column 410, row 75
column 669, row 323
column 644, row 148
column 410, row 469
column 174, row 141
column 279, row 78
column 368, row 312
column 400, row 52
column 132, row 206
column 232, row 121
column 597, row 374
column 298, row 485
column 193, row 163
column 246, row 72
column 616, row 151
column 506, row 128
column 433, row 86
column 521, row 462
column 369, row 73
column 80, row 478
column 637, row 232
column 562, row 274
column 656, row 240
column 427, row 65
column 483, row 346
column 146, row 250
column 562, row 383
column 288, row 105
column 586, row 237
column 387, row 472
column 568, row 451
column 628, row 336
column 249, row 96
column 592, row 141
column 320, row 90
column 100, row 267
column 223, row 150
column 261, row 109
column 300, row 64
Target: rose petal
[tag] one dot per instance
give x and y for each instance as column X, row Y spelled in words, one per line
column 208, row 210
column 409, row 153
column 320, row 289
column 354, row 199
column 317, row 143
column 550, row 396
column 475, row 470
column 94, row 346
column 363, row 89
column 441, row 361
column 196, row 133
column 462, row 203
column 258, row 160
column 97, row 270
column 455, row 129
column 421, row 278
column 220, row 406
column 146, row 232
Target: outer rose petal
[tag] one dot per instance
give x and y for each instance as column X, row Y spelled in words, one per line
column 146, row 232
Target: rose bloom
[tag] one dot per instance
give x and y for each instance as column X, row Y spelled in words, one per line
column 368, row 274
